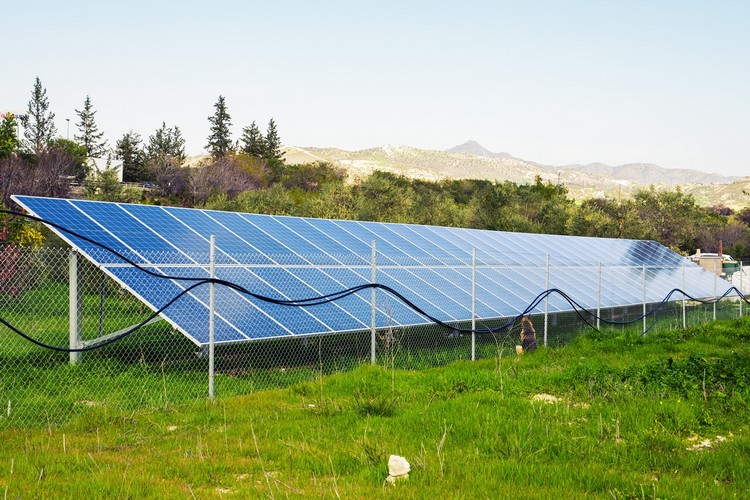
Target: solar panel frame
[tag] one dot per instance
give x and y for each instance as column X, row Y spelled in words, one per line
column 298, row 257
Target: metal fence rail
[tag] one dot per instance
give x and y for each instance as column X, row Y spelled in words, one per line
column 61, row 299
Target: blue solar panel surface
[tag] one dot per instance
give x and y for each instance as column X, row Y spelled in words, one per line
column 297, row 257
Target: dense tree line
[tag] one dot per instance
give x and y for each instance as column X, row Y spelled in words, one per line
column 251, row 175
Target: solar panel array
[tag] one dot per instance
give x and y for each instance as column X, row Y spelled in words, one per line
column 297, row 257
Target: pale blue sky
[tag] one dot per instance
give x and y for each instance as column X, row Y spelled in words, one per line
column 560, row 82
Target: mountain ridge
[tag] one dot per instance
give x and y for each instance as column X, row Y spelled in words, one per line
column 643, row 173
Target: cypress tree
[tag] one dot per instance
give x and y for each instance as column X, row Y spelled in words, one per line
column 130, row 150
column 219, row 142
column 273, row 142
column 166, row 141
column 253, row 142
column 90, row 137
column 39, row 126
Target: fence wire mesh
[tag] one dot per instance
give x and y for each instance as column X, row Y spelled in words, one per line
column 61, row 299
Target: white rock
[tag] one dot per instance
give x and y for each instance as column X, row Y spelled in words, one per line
column 398, row 466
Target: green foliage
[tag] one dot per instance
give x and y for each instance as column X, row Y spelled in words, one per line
column 129, row 149
column 76, row 155
column 39, row 122
column 273, row 143
column 384, row 197
column 220, row 141
column 166, row 143
column 253, row 142
column 8, row 135
column 90, row 137
column 105, row 186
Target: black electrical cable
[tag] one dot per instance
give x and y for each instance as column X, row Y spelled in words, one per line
column 328, row 298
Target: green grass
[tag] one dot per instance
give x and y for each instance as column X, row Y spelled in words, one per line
column 628, row 409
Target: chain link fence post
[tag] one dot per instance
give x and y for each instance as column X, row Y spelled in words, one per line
column 372, row 306
column 473, row 304
column 546, row 302
column 74, row 313
column 211, row 343
column 599, row 297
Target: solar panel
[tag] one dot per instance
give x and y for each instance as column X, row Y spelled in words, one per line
column 297, row 257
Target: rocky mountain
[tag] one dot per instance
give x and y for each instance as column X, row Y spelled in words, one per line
column 641, row 173
column 472, row 161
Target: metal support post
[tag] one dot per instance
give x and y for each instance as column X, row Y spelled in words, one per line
column 473, row 303
column 211, row 359
column 644, row 299
column 742, row 290
column 372, row 305
column 546, row 303
column 715, row 278
column 684, row 299
column 74, row 301
column 599, row 297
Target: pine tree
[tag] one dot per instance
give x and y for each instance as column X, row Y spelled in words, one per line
column 39, row 126
column 273, row 142
column 166, row 141
column 90, row 137
column 219, row 142
column 253, row 142
column 130, row 150
column 8, row 137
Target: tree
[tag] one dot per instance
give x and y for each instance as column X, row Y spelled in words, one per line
column 166, row 141
column 165, row 154
column 253, row 142
column 77, row 155
column 130, row 150
column 90, row 137
column 39, row 125
column 8, row 137
column 273, row 143
column 220, row 142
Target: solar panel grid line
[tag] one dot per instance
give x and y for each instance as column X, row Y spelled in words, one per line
column 219, row 312
column 392, row 281
column 203, row 269
column 528, row 288
column 115, row 238
column 318, row 291
column 435, row 278
column 281, row 294
column 463, row 280
column 283, row 222
column 440, row 311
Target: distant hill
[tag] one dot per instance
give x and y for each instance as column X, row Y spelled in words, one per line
column 642, row 173
column 648, row 173
column 472, row 161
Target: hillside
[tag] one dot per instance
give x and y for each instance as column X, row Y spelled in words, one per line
column 471, row 160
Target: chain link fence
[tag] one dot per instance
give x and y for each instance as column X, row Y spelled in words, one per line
column 61, row 300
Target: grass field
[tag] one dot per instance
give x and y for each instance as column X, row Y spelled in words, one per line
column 611, row 415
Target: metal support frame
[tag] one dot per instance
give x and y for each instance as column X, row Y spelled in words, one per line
column 715, row 278
column 74, row 304
column 644, row 299
column 684, row 299
column 372, row 306
column 599, row 297
column 546, row 303
column 473, row 303
column 211, row 339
